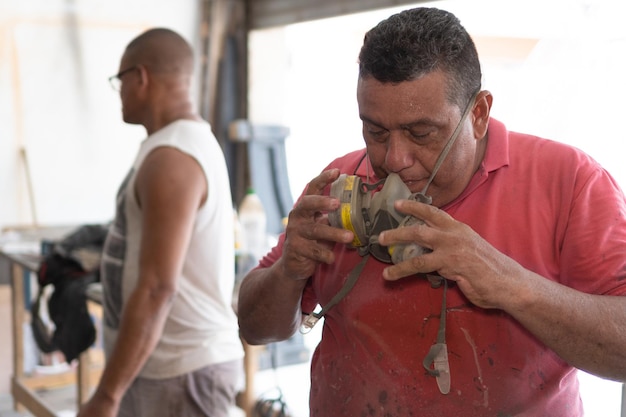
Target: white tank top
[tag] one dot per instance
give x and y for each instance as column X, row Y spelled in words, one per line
column 201, row 328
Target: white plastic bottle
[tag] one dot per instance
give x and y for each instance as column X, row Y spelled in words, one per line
column 239, row 242
column 253, row 224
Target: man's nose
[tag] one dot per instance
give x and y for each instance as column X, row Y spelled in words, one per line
column 399, row 152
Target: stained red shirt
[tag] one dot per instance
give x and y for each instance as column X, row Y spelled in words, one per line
column 547, row 205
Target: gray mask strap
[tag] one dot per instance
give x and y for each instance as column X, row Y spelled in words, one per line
column 437, row 356
column 446, row 149
column 313, row 318
column 367, row 187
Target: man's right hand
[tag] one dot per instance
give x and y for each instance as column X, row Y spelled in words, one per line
column 309, row 238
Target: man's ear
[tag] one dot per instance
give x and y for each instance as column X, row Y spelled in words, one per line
column 144, row 77
column 480, row 113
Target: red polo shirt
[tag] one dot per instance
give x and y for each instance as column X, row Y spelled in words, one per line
column 545, row 204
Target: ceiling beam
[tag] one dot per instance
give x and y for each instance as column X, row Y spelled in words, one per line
column 269, row 13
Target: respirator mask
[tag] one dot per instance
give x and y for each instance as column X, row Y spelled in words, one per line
column 367, row 212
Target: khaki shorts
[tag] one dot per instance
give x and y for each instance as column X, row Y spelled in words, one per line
column 207, row 392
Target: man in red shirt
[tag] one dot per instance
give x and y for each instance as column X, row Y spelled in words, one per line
column 522, row 279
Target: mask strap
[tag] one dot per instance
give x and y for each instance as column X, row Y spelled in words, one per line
column 313, row 318
column 446, row 149
column 437, row 356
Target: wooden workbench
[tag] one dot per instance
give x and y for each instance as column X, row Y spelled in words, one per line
column 24, row 386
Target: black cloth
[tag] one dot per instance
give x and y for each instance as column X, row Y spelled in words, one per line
column 71, row 265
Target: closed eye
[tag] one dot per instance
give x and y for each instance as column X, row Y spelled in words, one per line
column 375, row 132
column 421, row 134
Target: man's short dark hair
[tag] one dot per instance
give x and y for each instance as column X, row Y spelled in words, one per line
column 415, row 42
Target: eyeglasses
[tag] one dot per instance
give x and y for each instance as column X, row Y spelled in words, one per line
column 116, row 80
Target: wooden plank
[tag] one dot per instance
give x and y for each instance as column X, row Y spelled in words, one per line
column 82, row 379
column 63, row 379
column 29, row 400
column 17, row 317
column 247, row 397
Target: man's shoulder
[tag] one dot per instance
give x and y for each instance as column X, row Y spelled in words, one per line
column 189, row 126
column 549, row 151
column 189, row 136
column 529, row 148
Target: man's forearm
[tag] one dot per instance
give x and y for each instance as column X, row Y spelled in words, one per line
column 269, row 306
column 588, row 331
column 140, row 330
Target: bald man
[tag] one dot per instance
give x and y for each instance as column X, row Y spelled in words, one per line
column 170, row 333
